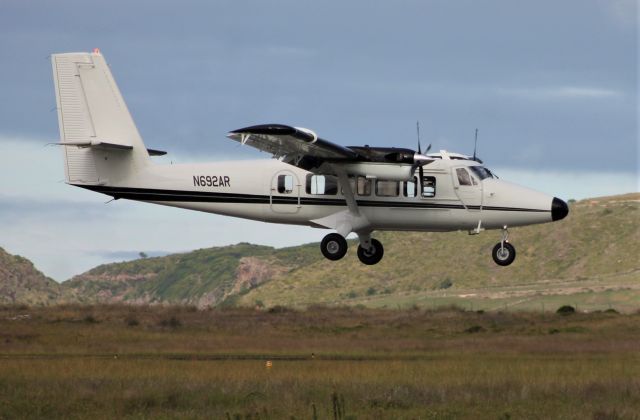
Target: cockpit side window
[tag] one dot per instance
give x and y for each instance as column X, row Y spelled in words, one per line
column 481, row 172
column 463, row 176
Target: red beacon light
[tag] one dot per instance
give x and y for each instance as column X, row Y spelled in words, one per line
column 96, row 50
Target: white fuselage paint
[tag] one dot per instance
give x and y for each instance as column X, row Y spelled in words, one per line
column 248, row 189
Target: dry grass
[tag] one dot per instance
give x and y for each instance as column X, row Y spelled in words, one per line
column 78, row 362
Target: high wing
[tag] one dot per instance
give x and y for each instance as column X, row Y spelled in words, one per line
column 285, row 141
column 303, row 148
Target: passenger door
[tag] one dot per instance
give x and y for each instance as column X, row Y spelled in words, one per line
column 285, row 193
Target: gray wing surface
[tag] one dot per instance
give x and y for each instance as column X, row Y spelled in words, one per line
column 286, row 141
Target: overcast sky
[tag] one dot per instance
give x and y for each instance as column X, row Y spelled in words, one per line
column 551, row 85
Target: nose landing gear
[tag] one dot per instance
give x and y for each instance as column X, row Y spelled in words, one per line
column 504, row 253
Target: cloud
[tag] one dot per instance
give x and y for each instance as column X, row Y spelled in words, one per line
column 21, row 208
column 562, row 92
column 285, row 51
column 625, row 12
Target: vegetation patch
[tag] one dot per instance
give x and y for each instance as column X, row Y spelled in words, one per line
column 566, row 310
column 326, row 363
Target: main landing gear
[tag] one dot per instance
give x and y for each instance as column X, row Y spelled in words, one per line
column 504, row 253
column 334, row 247
column 371, row 255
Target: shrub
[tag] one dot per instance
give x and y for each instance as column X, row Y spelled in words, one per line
column 278, row 309
column 132, row 322
column 371, row 291
column 474, row 329
column 89, row 319
column 566, row 310
column 445, row 284
column 172, row 322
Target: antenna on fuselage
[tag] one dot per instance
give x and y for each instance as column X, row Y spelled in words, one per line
column 475, row 145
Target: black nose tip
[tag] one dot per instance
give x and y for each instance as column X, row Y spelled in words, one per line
column 559, row 209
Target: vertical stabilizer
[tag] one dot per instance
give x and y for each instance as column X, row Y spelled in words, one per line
column 101, row 141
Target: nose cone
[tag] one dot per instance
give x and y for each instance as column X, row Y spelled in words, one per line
column 559, row 209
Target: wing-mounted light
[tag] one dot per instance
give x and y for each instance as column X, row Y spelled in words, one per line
column 314, row 136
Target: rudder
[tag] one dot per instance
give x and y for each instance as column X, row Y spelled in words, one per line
column 100, row 140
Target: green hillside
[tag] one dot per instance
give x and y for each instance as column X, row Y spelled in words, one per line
column 594, row 250
column 22, row 283
column 598, row 242
column 205, row 277
column 590, row 259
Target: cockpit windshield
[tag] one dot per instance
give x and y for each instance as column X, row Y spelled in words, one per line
column 481, row 172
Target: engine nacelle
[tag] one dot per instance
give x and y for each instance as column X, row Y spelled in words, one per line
column 379, row 170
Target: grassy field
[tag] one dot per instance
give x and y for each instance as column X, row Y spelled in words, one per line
column 327, row 363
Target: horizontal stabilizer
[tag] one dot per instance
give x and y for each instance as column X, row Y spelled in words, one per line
column 104, row 145
column 155, row 152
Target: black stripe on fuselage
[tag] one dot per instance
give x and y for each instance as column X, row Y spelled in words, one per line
column 146, row 194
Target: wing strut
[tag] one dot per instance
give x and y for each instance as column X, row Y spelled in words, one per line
column 349, row 220
column 347, row 191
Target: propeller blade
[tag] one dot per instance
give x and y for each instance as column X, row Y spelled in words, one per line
column 418, row 130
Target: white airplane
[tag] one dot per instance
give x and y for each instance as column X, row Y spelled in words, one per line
column 311, row 181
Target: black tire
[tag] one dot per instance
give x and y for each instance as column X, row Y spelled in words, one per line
column 333, row 246
column 505, row 257
column 368, row 257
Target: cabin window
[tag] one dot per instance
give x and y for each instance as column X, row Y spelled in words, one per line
column 285, row 184
column 387, row 188
column 363, row 186
column 463, row 176
column 410, row 188
column 322, row 185
column 428, row 186
column 359, row 185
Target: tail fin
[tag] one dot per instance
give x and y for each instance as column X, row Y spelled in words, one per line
column 100, row 140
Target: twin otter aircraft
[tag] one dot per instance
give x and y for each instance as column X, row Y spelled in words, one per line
column 311, row 181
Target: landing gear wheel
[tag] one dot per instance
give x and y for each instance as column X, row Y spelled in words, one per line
column 333, row 246
column 373, row 255
column 503, row 255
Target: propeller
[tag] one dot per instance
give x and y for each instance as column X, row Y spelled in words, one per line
column 421, row 159
column 418, row 130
